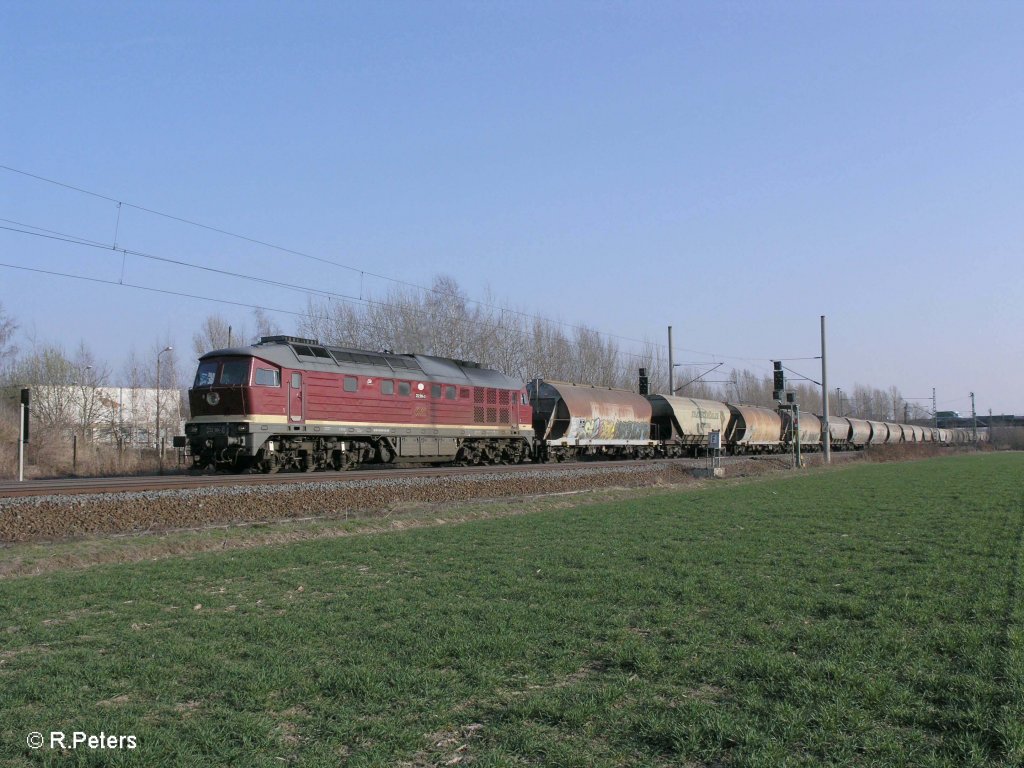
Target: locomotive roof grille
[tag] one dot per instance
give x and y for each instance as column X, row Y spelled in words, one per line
column 406, row 363
column 286, row 340
column 305, row 350
column 344, row 356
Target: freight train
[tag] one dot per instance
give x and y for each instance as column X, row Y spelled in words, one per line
column 289, row 403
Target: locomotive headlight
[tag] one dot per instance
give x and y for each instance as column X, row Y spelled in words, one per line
column 212, row 398
column 191, row 429
column 242, row 428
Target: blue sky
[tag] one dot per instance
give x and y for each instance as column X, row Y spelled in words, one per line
column 734, row 170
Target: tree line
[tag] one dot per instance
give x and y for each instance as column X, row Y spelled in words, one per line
column 445, row 322
column 442, row 321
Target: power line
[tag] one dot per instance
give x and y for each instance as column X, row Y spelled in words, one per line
column 148, row 288
column 805, row 378
column 348, row 267
column 330, row 295
column 75, row 240
column 182, row 294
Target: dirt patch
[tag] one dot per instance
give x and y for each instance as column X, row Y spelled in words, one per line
column 450, row 747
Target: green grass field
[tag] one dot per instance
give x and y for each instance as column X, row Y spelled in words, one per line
column 869, row 615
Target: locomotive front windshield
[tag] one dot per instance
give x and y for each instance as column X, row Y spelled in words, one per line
column 206, row 374
column 232, row 373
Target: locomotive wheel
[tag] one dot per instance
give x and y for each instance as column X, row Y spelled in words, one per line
column 268, row 464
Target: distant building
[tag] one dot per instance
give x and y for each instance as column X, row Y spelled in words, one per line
column 123, row 416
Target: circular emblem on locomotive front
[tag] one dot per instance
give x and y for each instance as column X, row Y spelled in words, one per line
column 212, row 398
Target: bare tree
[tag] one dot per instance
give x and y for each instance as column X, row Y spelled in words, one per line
column 90, row 401
column 51, row 375
column 216, row 333
column 8, row 351
column 444, row 321
column 265, row 325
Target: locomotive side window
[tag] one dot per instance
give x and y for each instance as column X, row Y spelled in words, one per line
column 387, row 387
column 404, row 388
column 435, row 390
column 206, row 374
column 234, row 372
column 351, row 383
column 268, row 377
column 523, row 399
column 449, row 392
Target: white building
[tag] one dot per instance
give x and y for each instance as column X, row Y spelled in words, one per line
column 117, row 415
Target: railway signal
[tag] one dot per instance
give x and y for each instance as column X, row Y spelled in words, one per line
column 780, row 381
column 26, row 401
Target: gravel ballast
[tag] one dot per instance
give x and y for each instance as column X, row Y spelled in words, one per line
column 62, row 517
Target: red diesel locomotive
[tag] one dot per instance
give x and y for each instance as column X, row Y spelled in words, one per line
column 292, row 403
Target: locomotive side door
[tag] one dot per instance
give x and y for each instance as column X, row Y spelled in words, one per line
column 295, row 399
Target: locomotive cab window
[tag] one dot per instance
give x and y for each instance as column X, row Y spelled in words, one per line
column 449, row 392
column 404, row 388
column 522, row 399
column 206, row 374
column 351, row 383
column 234, row 372
column 387, row 387
column 268, row 377
column 435, row 390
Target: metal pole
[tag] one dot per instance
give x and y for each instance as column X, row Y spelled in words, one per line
column 21, row 445
column 826, row 437
column 671, row 368
column 74, row 453
column 159, row 458
column 974, row 420
column 935, row 410
column 796, row 424
column 159, row 442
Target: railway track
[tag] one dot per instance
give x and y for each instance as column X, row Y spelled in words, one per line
column 93, row 485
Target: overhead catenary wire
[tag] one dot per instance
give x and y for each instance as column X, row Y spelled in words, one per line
column 309, row 291
column 649, row 346
column 229, row 302
column 166, row 291
column 64, row 237
column 801, row 376
column 340, row 265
